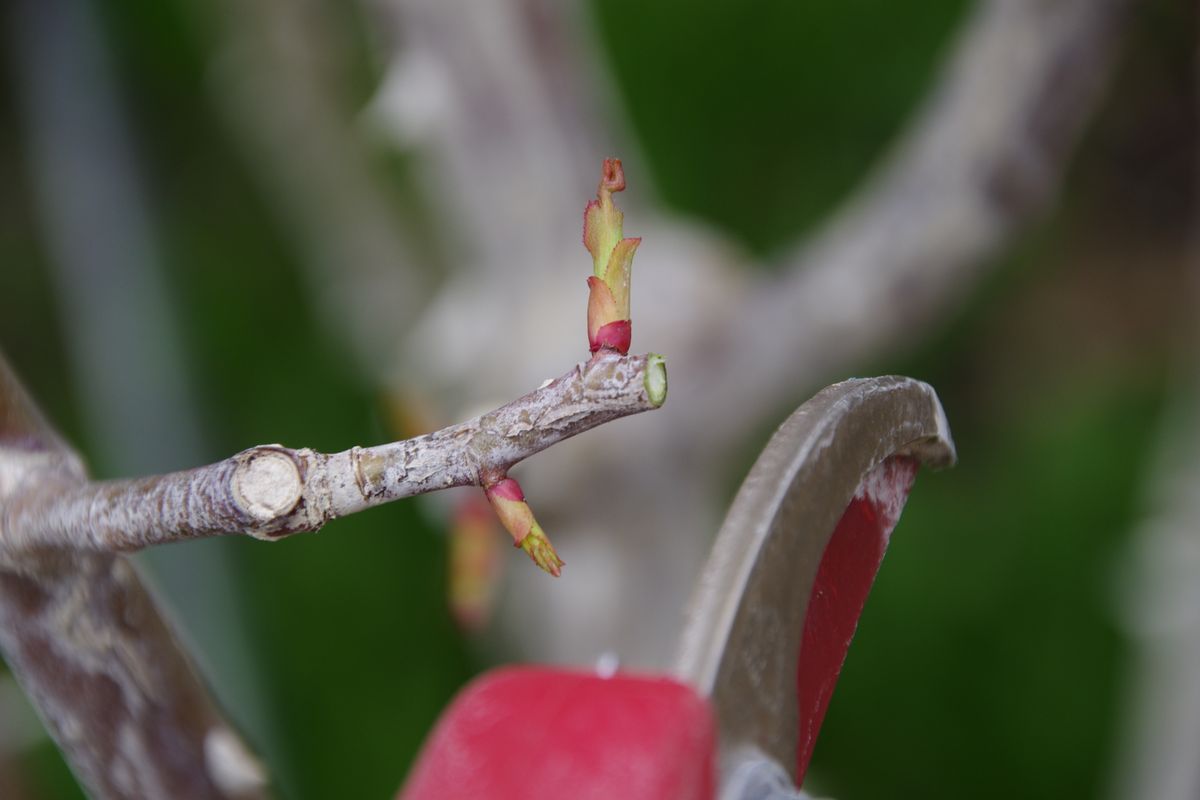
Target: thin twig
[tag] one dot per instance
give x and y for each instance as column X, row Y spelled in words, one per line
column 272, row 491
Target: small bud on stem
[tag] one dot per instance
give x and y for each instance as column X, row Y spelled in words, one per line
column 612, row 262
column 508, row 501
column 609, row 328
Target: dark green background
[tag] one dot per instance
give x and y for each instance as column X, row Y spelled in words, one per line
column 988, row 662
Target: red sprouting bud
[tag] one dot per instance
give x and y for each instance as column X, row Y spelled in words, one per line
column 612, row 175
column 508, row 501
column 507, row 489
column 615, row 335
column 612, row 262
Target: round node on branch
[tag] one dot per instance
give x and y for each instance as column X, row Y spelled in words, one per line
column 266, row 484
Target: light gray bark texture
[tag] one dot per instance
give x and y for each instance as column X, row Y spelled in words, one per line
column 87, row 641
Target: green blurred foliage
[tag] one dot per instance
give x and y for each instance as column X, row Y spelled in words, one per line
column 349, row 627
column 760, row 117
column 987, row 662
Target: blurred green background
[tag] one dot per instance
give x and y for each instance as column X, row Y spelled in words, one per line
column 988, row 662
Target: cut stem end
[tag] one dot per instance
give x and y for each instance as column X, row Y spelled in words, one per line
column 656, row 379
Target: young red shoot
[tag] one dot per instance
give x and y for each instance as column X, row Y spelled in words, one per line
column 608, row 320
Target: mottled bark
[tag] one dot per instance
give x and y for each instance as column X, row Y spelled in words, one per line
column 271, row 491
column 85, row 638
column 112, row 683
column 89, row 646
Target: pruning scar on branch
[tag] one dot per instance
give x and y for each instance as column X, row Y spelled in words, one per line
column 85, row 638
column 271, row 491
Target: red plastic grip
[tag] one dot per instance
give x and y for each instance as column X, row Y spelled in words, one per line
column 536, row 733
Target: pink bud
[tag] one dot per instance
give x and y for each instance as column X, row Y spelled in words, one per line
column 612, row 175
column 615, row 335
column 507, row 489
column 508, row 501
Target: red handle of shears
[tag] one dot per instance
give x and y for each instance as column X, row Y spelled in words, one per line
column 536, row 733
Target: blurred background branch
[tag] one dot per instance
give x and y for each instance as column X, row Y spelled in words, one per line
column 1159, row 597
column 981, row 158
column 380, row 180
column 116, row 307
column 276, row 76
column 1161, row 611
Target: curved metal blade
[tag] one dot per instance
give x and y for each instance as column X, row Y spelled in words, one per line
column 741, row 645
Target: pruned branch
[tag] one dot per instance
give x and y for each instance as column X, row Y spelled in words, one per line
column 87, row 641
column 271, row 491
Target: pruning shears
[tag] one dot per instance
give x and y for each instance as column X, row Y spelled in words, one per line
column 768, row 628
